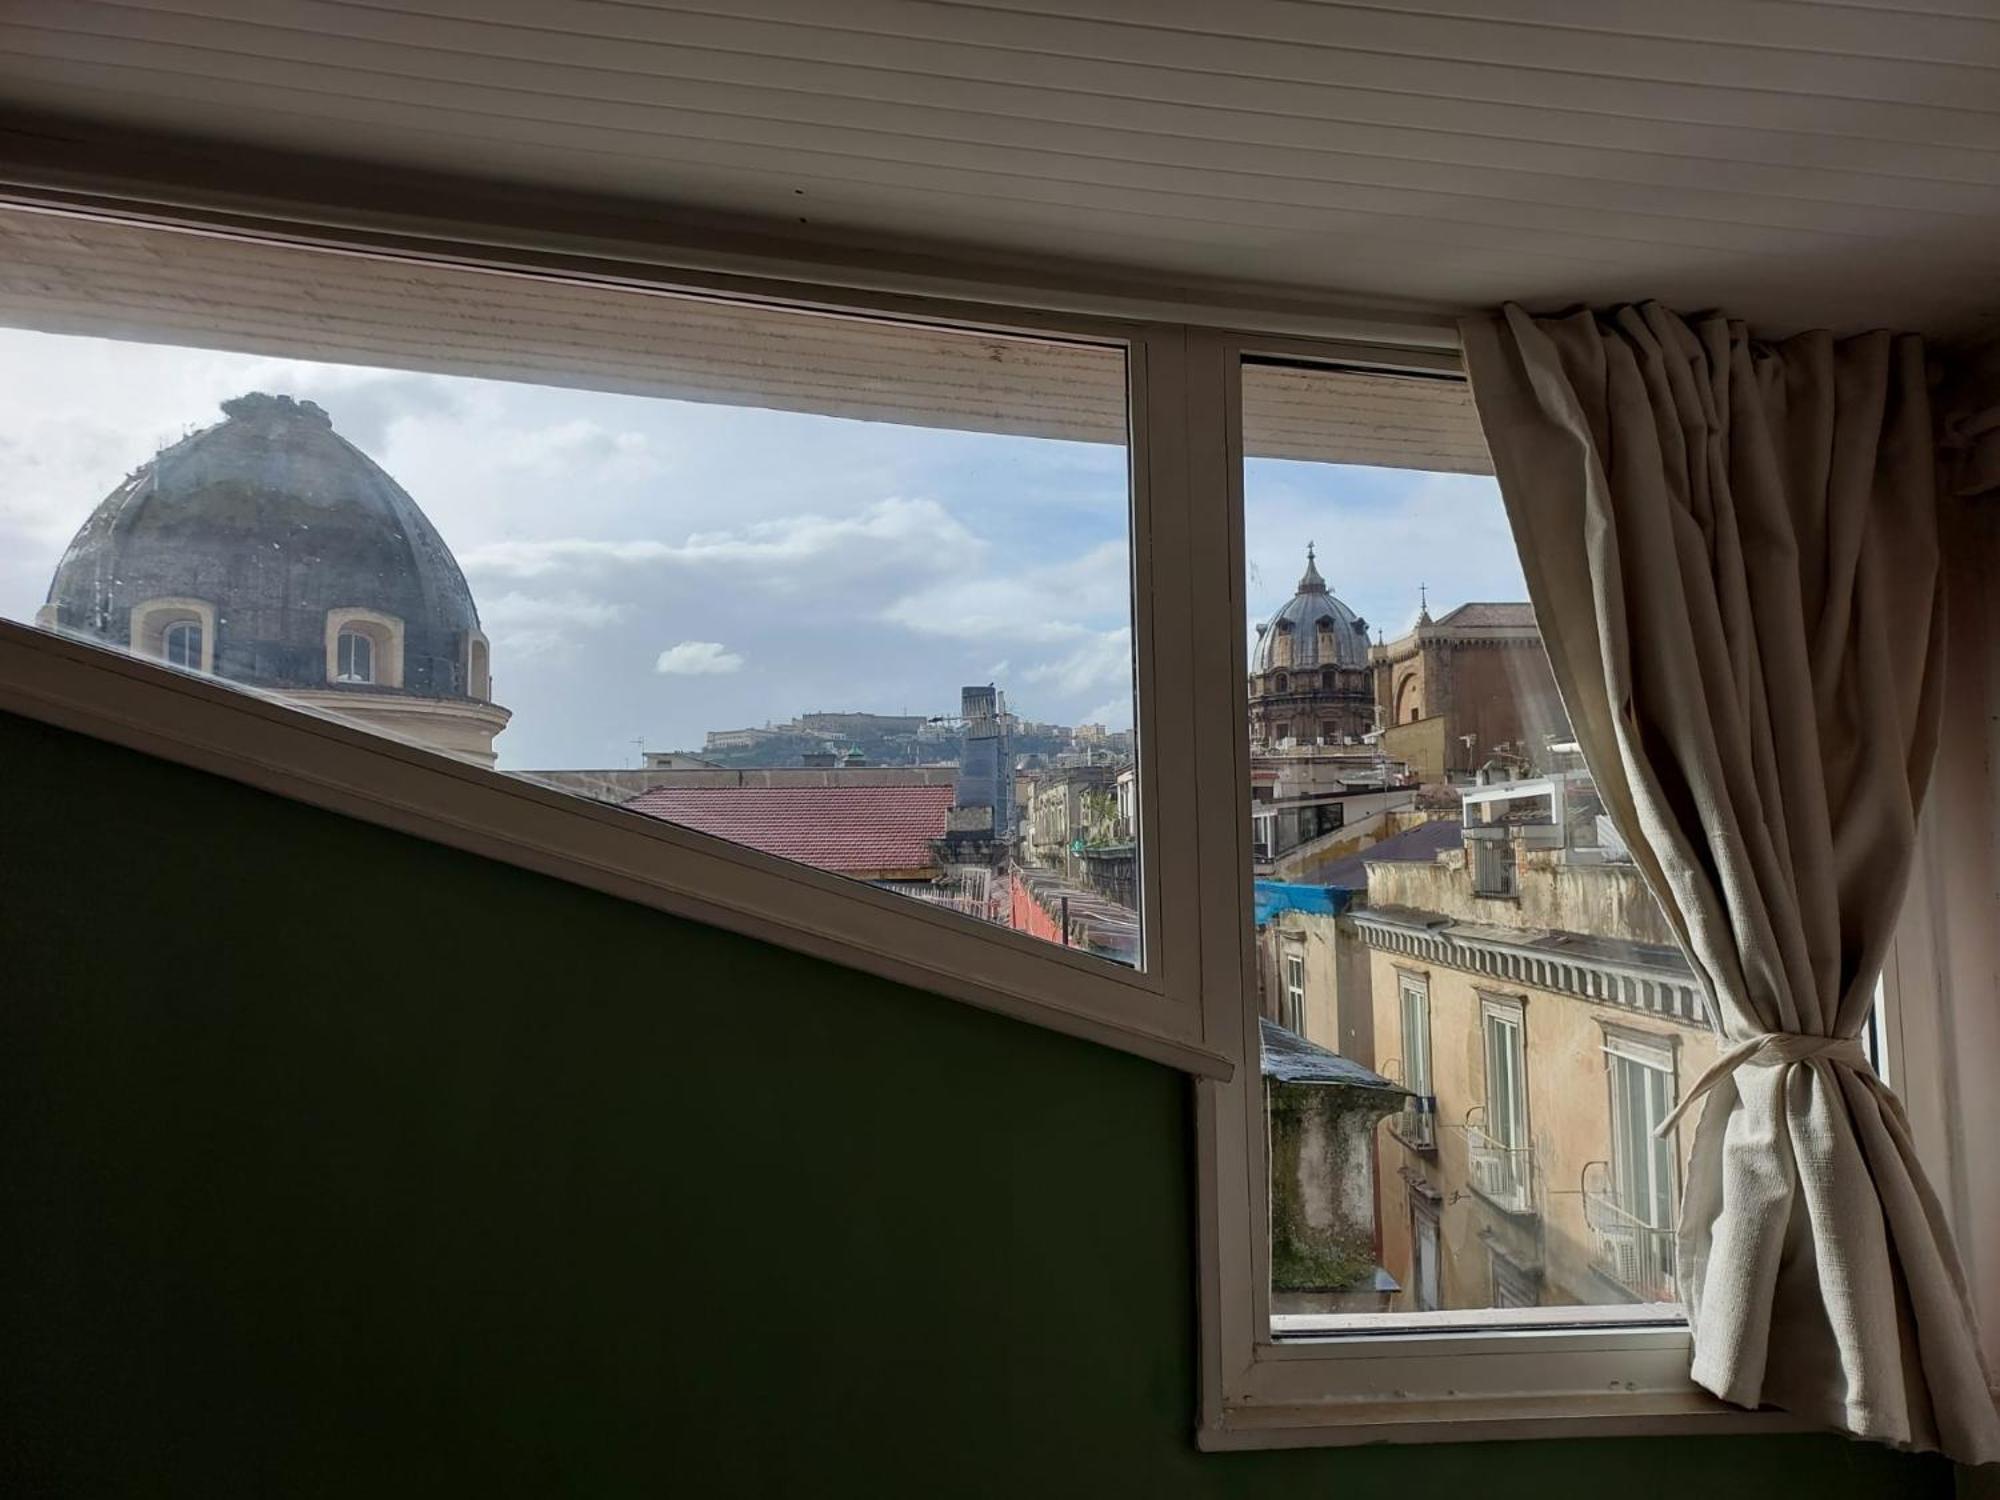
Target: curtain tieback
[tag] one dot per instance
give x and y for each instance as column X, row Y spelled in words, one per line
column 1772, row 1049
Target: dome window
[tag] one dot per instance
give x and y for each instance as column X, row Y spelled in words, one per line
column 478, row 668
column 364, row 648
column 181, row 644
column 354, row 657
column 1283, row 684
column 179, row 632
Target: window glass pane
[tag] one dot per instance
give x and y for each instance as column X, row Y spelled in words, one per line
column 1437, row 834
column 855, row 594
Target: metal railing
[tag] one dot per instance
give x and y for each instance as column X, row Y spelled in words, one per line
column 1505, row 1174
column 1624, row 1246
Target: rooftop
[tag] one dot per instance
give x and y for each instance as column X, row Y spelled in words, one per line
column 1478, row 614
column 1290, row 1058
column 1419, row 845
column 850, row 830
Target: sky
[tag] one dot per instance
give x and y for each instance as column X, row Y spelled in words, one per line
column 648, row 570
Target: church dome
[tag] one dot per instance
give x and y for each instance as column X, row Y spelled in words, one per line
column 1322, row 631
column 270, row 525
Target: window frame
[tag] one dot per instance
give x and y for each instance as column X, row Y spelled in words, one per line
column 174, row 628
column 295, row 748
column 151, row 619
column 1457, row 1377
column 1336, row 1381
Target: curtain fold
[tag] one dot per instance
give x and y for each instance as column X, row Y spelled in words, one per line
column 1732, row 551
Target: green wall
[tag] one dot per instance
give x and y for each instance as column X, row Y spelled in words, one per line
column 335, row 1163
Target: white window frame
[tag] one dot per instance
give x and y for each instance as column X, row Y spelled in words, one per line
column 1625, row 1049
column 151, row 619
column 1418, row 1377
column 174, row 628
column 297, row 746
column 1499, row 1019
column 384, row 634
column 1292, row 957
column 1441, row 1377
column 1413, row 1007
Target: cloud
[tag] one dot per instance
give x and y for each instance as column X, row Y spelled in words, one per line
column 697, row 659
column 888, row 533
column 1102, row 660
column 527, row 625
column 1044, row 604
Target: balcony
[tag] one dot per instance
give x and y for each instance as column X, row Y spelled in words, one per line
column 1500, row 1173
column 1624, row 1248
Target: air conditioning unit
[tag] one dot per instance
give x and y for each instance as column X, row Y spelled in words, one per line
column 1618, row 1253
column 1490, row 1175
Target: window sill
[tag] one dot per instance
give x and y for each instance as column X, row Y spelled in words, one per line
column 1319, row 1382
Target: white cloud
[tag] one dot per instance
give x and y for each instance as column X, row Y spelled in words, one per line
column 1103, row 660
column 1114, row 714
column 527, row 625
column 697, row 659
column 887, row 533
column 1046, row 604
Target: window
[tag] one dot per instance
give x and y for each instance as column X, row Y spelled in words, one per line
column 1497, row 1144
column 1456, row 774
column 1413, row 992
column 899, row 595
column 1512, row 1285
column 1416, row 1123
column 1425, row 1212
column 1100, row 504
column 1631, row 1200
column 478, row 677
column 1493, row 863
column 354, row 658
column 1294, row 1015
column 177, row 631
column 181, row 645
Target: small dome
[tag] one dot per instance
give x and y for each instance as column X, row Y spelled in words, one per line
column 275, row 520
column 1302, row 617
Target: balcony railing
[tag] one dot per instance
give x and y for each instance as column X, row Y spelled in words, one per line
column 1624, row 1246
column 1502, row 1173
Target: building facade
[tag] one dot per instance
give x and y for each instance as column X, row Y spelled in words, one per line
column 1463, row 689
column 1527, row 992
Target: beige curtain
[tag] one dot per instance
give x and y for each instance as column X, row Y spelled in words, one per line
column 1732, row 552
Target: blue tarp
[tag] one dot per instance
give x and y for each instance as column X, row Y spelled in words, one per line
column 1279, row 895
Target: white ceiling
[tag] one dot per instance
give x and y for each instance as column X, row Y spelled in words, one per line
column 1795, row 162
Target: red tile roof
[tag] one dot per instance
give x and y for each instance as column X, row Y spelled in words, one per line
column 851, row 830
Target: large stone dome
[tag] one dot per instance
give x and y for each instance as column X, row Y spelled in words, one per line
column 278, row 520
column 1311, row 629
column 269, row 551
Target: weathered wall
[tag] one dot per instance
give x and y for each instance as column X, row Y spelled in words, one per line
column 1569, row 1123
column 534, row 1192
column 1603, row 900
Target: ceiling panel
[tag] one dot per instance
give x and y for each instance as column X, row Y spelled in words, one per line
column 1794, row 162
